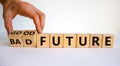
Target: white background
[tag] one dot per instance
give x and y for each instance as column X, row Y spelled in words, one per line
column 66, row 16
column 73, row 16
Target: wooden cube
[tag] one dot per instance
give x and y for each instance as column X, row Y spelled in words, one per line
column 95, row 41
column 108, row 41
column 29, row 38
column 83, row 41
column 43, row 40
column 56, row 40
column 69, row 40
column 15, row 39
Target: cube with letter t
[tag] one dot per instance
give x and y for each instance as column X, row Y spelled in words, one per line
column 69, row 40
column 29, row 38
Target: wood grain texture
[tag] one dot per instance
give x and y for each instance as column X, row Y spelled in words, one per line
column 15, row 39
column 108, row 41
column 56, row 40
column 69, row 40
column 43, row 40
column 96, row 40
column 83, row 41
column 29, row 38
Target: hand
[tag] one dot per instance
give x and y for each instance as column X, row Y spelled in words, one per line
column 10, row 10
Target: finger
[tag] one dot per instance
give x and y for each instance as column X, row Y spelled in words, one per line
column 8, row 24
column 42, row 21
column 42, row 18
column 37, row 23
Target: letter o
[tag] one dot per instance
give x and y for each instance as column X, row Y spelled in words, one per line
column 32, row 33
column 18, row 32
column 26, row 32
column 13, row 33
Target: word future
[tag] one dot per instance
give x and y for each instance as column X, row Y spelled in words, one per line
column 32, row 39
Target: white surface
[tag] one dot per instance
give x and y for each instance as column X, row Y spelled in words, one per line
column 66, row 16
column 59, row 57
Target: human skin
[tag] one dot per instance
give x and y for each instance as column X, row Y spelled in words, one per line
column 11, row 8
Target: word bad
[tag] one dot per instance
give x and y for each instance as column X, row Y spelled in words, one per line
column 32, row 39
